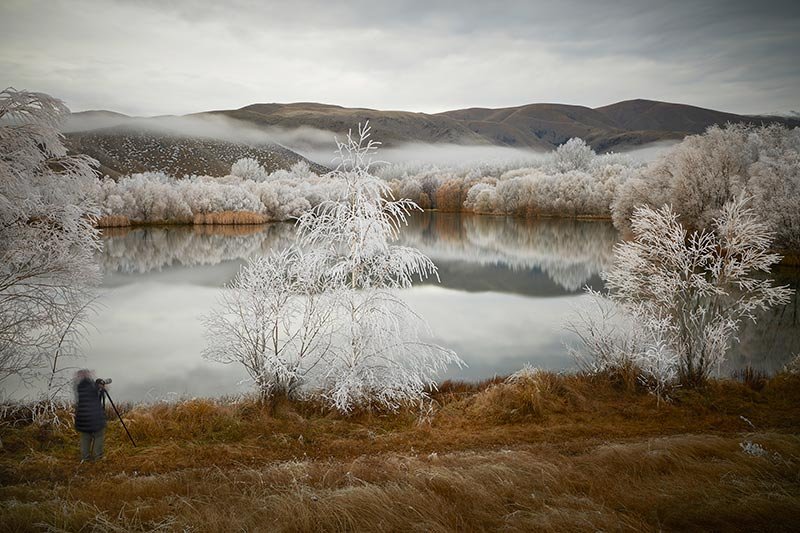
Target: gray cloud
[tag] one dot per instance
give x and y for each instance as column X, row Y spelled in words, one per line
column 178, row 57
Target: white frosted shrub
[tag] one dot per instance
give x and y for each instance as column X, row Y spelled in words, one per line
column 515, row 195
column 151, row 197
column 481, row 198
column 574, row 154
column 676, row 299
column 249, row 169
column 295, row 208
column 301, row 170
column 275, row 320
column 695, row 288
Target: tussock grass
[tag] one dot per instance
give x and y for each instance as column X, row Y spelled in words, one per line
column 537, row 452
column 230, row 217
column 216, row 218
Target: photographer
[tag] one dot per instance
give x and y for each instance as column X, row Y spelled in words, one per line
column 90, row 417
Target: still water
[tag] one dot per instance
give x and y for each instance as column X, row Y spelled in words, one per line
column 506, row 287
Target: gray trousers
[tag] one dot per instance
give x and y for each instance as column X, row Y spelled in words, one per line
column 92, row 445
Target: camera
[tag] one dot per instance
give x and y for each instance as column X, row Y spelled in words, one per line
column 101, row 381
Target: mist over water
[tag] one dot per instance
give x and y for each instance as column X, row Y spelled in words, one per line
column 506, row 287
column 319, row 145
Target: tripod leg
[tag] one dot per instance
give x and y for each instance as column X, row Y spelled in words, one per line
column 105, row 393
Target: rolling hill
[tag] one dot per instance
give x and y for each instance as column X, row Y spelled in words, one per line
column 392, row 127
column 538, row 126
column 125, row 150
column 616, row 126
column 125, row 144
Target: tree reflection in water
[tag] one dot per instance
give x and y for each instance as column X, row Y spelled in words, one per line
column 530, row 257
column 144, row 249
column 568, row 252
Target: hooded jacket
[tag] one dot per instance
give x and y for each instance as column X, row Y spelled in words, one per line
column 89, row 413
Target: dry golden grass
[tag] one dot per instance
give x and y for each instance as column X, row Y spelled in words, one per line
column 545, row 452
column 217, row 218
column 230, row 217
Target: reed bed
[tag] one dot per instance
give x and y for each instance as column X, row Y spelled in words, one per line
column 230, row 217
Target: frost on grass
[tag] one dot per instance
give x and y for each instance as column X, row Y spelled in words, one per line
column 676, row 299
column 47, row 237
column 325, row 317
column 793, row 366
column 752, row 448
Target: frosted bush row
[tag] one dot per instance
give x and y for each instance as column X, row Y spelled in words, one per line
column 570, row 181
column 155, row 196
column 696, row 177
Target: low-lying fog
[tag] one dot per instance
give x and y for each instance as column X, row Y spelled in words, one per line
column 319, row 145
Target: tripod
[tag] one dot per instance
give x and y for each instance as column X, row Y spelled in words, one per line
column 106, row 395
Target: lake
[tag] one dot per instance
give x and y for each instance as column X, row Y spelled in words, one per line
column 506, row 287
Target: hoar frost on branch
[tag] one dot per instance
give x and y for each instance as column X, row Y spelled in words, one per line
column 699, row 175
column 277, row 320
column 369, row 346
column 47, row 236
column 681, row 296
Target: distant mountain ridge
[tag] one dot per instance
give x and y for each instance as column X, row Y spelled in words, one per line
column 616, row 126
column 540, row 126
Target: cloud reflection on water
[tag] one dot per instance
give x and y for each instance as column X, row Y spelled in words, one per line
column 506, row 287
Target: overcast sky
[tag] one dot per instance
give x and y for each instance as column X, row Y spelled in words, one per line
column 174, row 56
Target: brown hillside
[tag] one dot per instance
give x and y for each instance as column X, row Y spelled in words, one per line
column 122, row 150
column 664, row 116
column 390, row 127
column 537, row 126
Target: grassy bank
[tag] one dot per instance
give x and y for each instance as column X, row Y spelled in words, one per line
column 557, row 453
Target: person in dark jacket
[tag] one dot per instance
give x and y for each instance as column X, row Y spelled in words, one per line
column 90, row 417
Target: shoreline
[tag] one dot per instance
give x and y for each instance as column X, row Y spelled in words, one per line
column 249, row 219
column 234, row 218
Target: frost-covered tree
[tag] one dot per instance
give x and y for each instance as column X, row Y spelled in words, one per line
column 617, row 341
column 248, row 168
column 574, row 154
column 277, row 320
column 381, row 355
column 699, row 175
column 694, row 289
column 325, row 317
column 47, row 237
